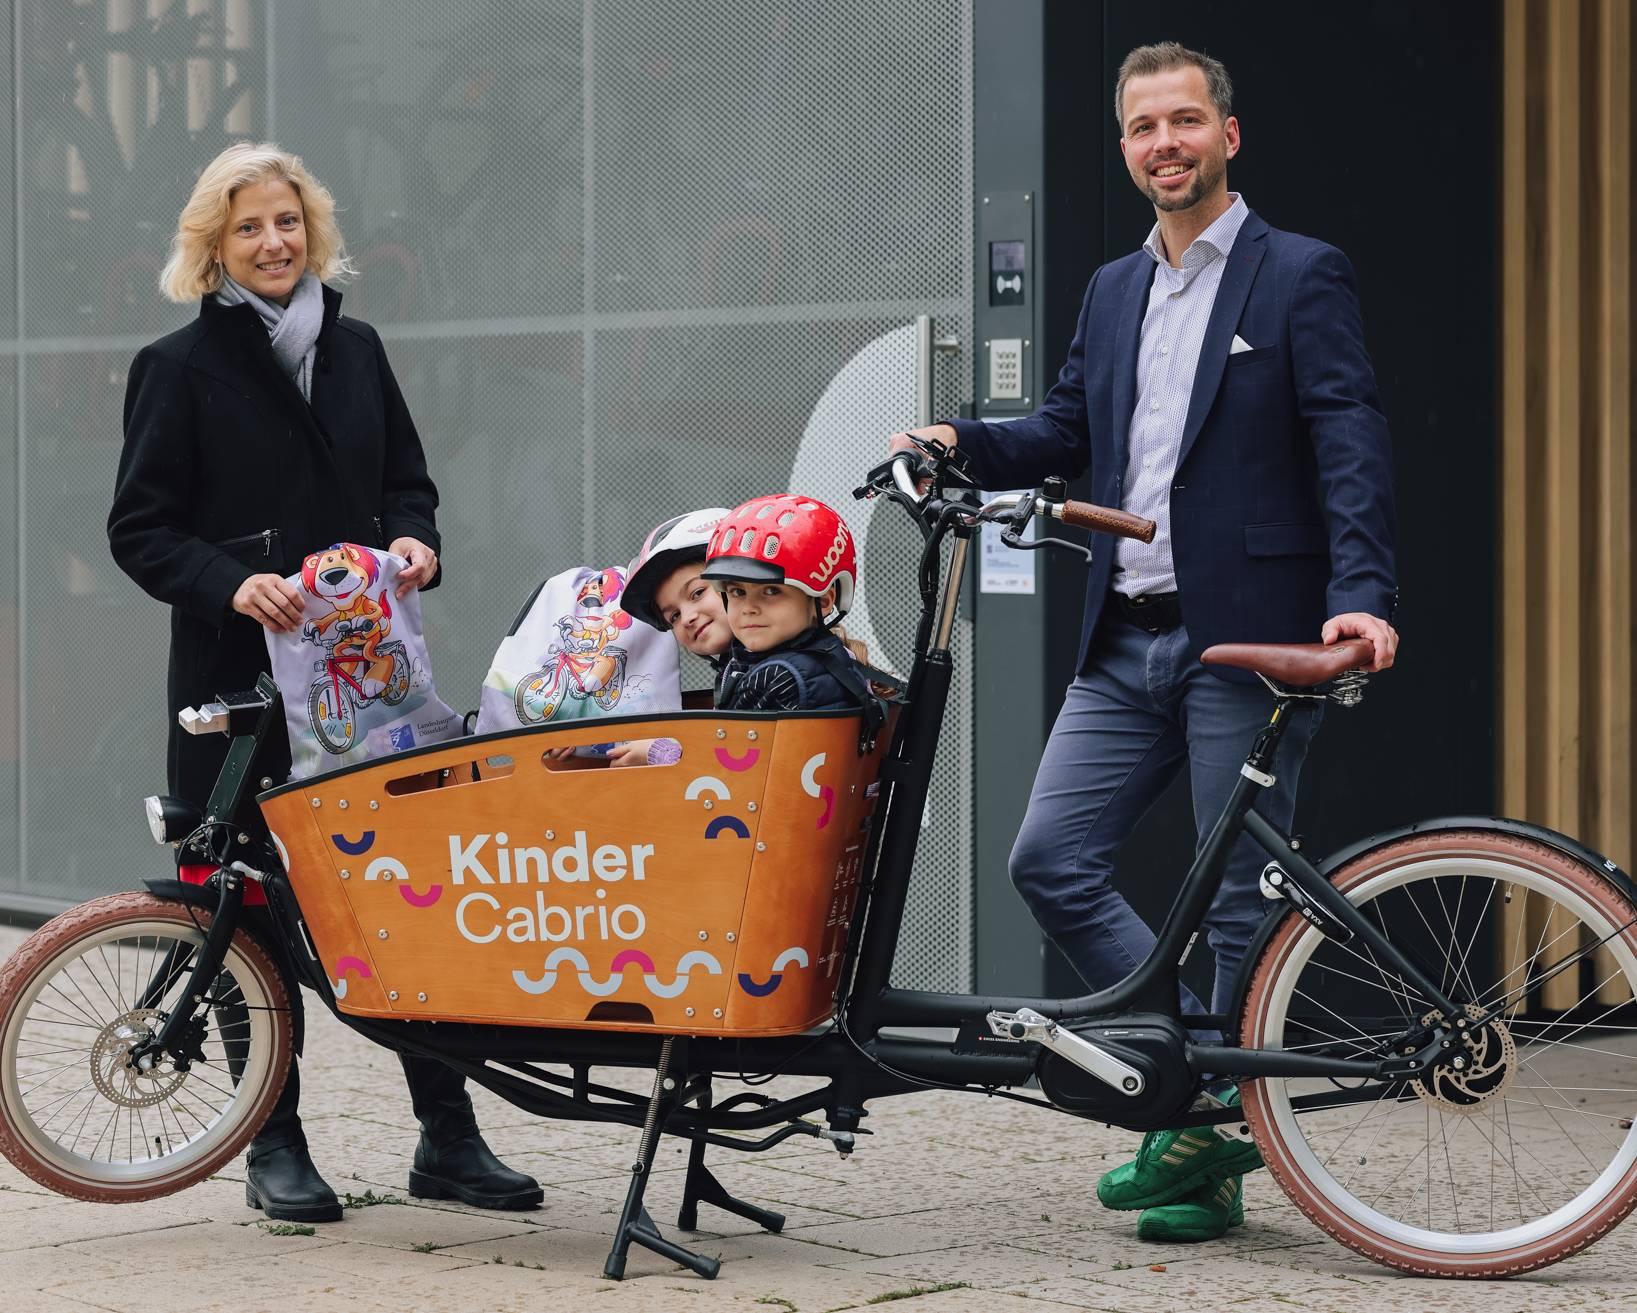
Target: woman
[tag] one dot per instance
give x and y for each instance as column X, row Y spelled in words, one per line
column 268, row 428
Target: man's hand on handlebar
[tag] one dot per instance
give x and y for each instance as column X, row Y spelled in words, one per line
column 1361, row 624
column 269, row 600
column 944, row 433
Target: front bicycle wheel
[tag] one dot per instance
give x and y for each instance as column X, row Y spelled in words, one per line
column 1525, row 1152
column 76, row 1114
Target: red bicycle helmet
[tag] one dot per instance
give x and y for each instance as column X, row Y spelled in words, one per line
column 680, row 539
column 787, row 539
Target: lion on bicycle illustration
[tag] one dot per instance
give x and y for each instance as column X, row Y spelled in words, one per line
column 360, row 666
column 584, row 664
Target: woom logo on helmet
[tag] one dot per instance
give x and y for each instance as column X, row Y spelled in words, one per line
column 838, row 548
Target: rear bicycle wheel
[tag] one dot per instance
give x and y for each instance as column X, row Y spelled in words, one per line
column 1524, row 1155
column 75, row 1114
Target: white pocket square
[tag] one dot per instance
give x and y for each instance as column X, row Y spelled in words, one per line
column 1239, row 344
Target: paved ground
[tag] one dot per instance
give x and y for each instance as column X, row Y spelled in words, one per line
column 957, row 1203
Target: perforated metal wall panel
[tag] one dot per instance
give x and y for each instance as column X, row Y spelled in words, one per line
column 619, row 252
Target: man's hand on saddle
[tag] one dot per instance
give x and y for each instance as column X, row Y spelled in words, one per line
column 1361, row 624
column 269, row 600
column 423, row 564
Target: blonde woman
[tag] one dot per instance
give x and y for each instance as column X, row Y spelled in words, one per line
column 270, row 427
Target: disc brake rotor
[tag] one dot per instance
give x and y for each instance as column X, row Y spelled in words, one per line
column 1489, row 1065
column 117, row 1079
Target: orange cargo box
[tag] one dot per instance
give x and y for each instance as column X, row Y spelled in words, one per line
column 478, row 881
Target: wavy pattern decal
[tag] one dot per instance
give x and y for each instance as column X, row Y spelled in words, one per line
column 354, row 848
column 357, row 966
column 421, row 900
column 813, row 789
column 706, row 784
column 386, row 868
column 762, row 988
column 720, row 823
column 740, row 761
column 628, row 957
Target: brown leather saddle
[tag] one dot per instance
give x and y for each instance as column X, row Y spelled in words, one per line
column 1296, row 665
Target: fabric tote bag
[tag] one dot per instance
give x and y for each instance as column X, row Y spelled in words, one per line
column 573, row 654
column 355, row 677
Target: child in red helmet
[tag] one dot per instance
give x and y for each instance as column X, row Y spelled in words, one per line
column 787, row 570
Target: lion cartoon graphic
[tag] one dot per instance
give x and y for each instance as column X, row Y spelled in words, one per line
column 584, row 664
column 359, row 665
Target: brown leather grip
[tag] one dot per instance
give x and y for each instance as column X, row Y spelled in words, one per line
column 1107, row 520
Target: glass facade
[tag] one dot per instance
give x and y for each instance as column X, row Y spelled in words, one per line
column 618, row 251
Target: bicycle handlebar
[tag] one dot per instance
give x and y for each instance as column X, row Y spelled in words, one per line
column 1085, row 515
column 1105, row 519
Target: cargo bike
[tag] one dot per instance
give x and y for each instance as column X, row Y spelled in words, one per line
column 1432, row 1031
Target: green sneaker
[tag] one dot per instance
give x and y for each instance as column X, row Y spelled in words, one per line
column 1171, row 1164
column 1204, row 1215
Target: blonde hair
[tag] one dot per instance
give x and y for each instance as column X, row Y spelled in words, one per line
column 193, row 270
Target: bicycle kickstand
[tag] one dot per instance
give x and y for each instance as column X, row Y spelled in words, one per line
column 635, row 1225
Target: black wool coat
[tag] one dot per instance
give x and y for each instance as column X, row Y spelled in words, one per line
column 228, row 471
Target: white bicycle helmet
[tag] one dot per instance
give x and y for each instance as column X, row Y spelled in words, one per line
column 680, row 539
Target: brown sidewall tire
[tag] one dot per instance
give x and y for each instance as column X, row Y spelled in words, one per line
column 59, row 935
column 1597, row 1222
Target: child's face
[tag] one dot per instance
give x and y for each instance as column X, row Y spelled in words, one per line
column 764, row 615
column 693, row 610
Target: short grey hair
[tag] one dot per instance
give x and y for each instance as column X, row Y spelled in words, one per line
column 1164, row 56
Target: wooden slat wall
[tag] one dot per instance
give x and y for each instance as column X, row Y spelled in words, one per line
column 1566, row 485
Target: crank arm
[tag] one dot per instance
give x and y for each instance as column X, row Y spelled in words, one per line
column 1030, row 1027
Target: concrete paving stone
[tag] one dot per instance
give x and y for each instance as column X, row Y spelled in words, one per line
column 194, row 1248
column 67, row 1221
column 379, row 1266
column 966, row 1301
column 52, row 1265
column 574, row 1256
column 1080, row 1294
column 41, row 1301
column 498, row 1288
column 409, row 1224
column 272, row 1279
column 544, row 1249
column 989, row 1266
column 13, row 1201
column 879, row 1238
column 679, row 1293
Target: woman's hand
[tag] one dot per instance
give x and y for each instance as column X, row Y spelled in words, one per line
column 269, row 600
column 423, row 564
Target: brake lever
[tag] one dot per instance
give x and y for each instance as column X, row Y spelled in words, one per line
column 1013, row 539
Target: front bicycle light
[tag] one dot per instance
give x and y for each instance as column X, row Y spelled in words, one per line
column 170, row 820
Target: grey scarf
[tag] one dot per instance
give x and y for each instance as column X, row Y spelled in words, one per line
column 292, row 329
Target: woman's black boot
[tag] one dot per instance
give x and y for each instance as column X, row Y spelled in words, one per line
column 285, row 1185
column 452, row 1161
column 281, row 1180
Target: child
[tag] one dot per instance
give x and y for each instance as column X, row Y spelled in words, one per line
column 664, row 588
column 787, row 570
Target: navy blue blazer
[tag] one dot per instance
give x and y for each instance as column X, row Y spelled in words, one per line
column 1282, row 502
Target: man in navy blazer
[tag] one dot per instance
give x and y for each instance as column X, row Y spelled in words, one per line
column 1217, row 384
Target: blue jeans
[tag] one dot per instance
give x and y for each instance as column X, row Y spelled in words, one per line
column 1128, row 725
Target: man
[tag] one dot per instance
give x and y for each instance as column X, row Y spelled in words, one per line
column 1218, row 385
